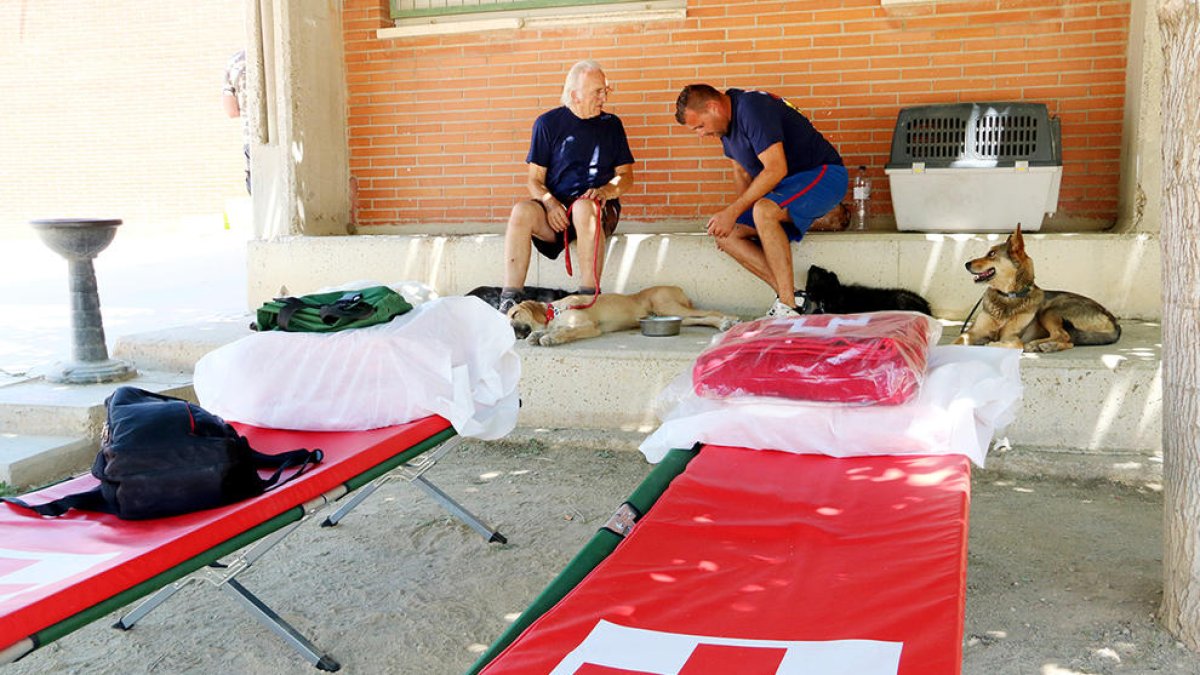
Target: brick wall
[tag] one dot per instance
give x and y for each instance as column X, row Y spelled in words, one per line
column 113, row 109
column 439, row 126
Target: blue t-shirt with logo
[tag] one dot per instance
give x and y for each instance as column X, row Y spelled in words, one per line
column 579, row 154
column 759, row 119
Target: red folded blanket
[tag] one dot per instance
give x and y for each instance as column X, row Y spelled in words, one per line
column 874, row 358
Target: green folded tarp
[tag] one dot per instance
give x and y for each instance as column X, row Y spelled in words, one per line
column 328, row 312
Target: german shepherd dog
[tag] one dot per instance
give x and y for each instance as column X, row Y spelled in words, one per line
column 825, row 294
column 1018, row 314
column 572, row 321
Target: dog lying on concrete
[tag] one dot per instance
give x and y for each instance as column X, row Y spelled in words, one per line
column 825, row 294
column 570, row 320
column 1018, row 314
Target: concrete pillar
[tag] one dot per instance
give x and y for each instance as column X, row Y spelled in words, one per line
column 299, row 158
column 1140, row 190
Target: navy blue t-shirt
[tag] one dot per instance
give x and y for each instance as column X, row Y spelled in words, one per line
column 759, row 120
column 579, row 154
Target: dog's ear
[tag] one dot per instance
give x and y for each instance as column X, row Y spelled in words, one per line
column 1016, row 244
column 537, row 310
column 818, row 275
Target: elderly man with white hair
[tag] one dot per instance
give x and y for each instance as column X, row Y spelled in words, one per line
column 579, row 166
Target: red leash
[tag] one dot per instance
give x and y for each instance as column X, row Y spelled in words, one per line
column 550, row 311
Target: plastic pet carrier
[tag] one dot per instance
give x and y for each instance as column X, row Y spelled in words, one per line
column 975, row 167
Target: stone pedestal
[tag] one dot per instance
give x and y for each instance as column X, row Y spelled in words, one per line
column 79, row 241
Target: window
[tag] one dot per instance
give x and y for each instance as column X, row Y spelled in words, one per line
column 426, row 17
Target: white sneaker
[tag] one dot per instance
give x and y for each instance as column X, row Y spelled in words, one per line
column 802, row 302
column 780, row 310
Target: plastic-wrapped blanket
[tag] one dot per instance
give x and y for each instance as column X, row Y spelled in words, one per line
column 968, row 394
column 875, row 358
column 451, row 356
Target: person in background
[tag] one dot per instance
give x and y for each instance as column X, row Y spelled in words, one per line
column 233, row 99
column 578, row 155
column 786, row 176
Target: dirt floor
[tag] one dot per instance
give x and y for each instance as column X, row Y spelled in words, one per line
column 1064, row 578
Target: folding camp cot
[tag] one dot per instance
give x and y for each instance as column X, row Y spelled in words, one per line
column 758, row 561
column 57, row 575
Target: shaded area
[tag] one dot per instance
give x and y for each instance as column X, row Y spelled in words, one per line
column 1063, row 578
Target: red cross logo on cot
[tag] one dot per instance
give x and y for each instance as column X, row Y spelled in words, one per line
column 612, row 649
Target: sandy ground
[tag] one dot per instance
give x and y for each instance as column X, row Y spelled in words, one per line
column 1063, row 577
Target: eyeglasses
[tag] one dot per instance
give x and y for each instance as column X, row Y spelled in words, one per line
column 606, row 90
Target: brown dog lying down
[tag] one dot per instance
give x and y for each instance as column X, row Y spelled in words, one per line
column 1016, row 313
column 612, row 312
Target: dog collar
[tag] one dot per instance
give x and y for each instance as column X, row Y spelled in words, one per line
column 549, row 312
column 1019, row 294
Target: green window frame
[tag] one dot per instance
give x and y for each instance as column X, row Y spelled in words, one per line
column 407, row 9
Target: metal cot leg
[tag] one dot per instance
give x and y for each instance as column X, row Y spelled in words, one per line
column 281, row 627
column 492, row 536
column 149, row 604
column 346, row 508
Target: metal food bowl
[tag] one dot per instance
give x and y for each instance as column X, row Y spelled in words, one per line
column 661, row 326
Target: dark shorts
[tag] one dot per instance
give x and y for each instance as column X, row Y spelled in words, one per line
column 807, row 195
column 608, row 218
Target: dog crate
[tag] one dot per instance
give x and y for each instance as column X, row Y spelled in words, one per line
column 975, row 167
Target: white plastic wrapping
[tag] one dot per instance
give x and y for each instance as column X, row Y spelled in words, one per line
column 451, row 356
column 969, row 393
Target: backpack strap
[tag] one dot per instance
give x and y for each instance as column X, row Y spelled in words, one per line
column 88, row 500
column 290, row 307
column 350, row 306
column 302, row 458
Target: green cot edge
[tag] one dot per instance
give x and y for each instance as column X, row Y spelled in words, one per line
column 603, row 543
column 87, row 616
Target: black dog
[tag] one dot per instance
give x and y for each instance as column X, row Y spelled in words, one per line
column 826, row 295
column 491, row 294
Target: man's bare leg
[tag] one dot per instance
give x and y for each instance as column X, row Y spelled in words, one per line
column 742, row 245
column 527, row 220
column 591, row 258
column 776, row 248
column 765, row 250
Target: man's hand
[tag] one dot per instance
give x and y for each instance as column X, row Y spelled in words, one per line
column 600, row 194
column 722, row 224
column 556, row 215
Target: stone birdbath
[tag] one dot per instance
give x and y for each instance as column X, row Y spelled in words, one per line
column 79, row 240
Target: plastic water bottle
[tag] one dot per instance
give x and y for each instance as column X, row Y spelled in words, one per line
column 862, row 199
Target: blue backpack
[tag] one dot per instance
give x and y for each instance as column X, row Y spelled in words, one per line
column 162, row 456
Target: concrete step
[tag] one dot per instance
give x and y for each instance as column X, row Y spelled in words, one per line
column 49, row 431
column 177, row 349
column 36, row 460
column 1093, row 412
column 36, row 407
column 1094, row 399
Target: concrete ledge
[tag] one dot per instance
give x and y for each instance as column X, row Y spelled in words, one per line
column 38, row 407
column 1119, row 270
column 609, row 382
column 177, row 349
column 49, row 431
column 36, row 460
column 1094, row 399
column 1087, row 413
column 1141, row 469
